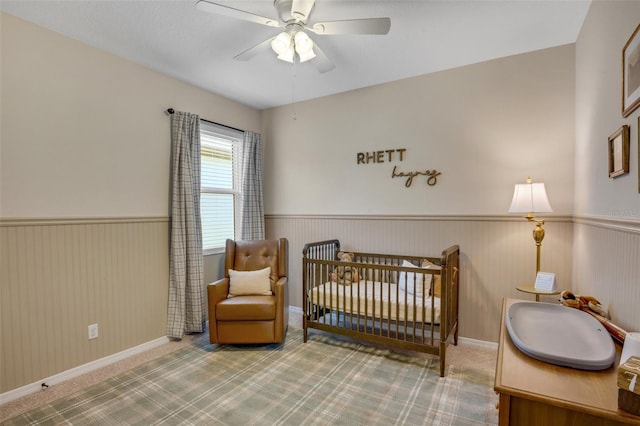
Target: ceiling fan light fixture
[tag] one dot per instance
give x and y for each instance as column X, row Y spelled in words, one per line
column 287, row 55
column 303, row 42
column 281, row 43
column 306, row 55
column 304, row 46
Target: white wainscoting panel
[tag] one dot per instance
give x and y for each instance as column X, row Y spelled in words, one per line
column 607, row 266
column 497, row 254
column 58, row 276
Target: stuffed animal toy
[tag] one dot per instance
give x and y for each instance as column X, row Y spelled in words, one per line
column 345, row 274
column 582, row 302
column 592, row 306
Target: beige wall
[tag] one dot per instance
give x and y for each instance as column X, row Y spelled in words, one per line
column 485, row 127
column 84, row 133
column 607, row 230
column 84, row 158
column 606, row 29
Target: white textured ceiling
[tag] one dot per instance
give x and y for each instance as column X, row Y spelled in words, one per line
column 426, row 36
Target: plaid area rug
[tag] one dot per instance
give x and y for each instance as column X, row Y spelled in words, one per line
column 328, row 380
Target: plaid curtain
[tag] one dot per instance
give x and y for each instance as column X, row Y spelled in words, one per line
column 186, row 311
column 252, row 225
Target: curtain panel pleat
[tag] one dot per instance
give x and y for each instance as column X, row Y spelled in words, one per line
column 186, row 308
column 251, row 184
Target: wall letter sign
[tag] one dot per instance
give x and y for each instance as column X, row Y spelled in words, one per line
column 395, row 155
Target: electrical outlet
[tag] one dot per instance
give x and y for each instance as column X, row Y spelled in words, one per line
column 93, row 331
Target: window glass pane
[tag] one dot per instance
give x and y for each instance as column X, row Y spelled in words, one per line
column 216, row 212
column 218, row 191
column 216, row 165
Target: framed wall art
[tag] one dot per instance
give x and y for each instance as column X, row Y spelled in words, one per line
column 619, row 152
column 631, row 74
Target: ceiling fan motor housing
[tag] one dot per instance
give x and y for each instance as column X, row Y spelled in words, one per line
column 287, row 13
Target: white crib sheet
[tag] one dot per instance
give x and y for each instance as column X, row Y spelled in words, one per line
column 377, row 299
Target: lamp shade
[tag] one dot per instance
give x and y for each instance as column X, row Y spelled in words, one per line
column 530, row 198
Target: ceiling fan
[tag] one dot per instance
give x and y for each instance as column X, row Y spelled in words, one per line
column 294, row 19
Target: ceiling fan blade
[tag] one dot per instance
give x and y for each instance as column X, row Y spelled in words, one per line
column 375, row 26
column 301, row 9
column 321, row 62
column 255, row 50
column 219, row 9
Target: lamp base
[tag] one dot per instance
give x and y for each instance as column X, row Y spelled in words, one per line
column 538, row 236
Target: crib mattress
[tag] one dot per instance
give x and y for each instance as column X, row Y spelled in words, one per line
column 376, row 299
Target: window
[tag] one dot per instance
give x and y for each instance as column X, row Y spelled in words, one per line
column 220, row 197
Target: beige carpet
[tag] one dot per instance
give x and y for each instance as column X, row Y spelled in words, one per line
column 466, row 362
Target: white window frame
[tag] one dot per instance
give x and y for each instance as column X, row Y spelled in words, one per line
column 208, row 130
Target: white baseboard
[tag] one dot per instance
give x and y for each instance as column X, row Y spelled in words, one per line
column 295, row 310
column 79, row 370
column 480, row 343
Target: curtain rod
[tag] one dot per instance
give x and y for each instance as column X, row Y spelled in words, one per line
column 170, row 111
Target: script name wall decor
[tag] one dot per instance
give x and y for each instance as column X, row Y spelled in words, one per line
column 396, row 155
column 432, row 176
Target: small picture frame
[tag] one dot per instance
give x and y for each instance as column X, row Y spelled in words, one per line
column 631, row 74
column 619, row 152
column 545, row 281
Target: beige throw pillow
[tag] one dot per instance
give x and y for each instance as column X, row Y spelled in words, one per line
column 244, row 283
column 413, row 282
column 436, row 278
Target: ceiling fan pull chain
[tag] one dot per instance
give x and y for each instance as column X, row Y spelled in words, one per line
column 293, row 90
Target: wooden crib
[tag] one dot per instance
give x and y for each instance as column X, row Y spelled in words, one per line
column 409, row 302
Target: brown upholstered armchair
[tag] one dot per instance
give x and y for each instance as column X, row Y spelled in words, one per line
column 250, row 318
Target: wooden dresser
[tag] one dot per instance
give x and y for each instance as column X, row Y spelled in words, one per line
column 534, row 393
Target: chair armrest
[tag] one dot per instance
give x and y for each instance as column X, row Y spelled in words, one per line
column 281, row 290
column 282, row 309
column 218, row 290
